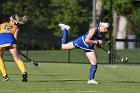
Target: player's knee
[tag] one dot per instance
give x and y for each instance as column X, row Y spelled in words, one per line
column 67, row 46
column 63, row 47
column 94, row 62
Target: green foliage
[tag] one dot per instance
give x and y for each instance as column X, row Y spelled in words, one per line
column 68, row 12
column 127, row 9
column 121, row 6
column 45, row 15
column 134, row 21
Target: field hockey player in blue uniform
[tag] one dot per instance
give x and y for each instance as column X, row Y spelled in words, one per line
column 87, row 42
column 9, row 32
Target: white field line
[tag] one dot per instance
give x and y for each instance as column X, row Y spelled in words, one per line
column 113, row 66
column 74, row 91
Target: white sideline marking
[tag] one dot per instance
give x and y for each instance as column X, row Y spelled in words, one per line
column 111, row 66
column 78, row 91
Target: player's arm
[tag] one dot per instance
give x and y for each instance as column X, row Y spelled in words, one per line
column 90, row 35
column 100, row 41
column 16, row 34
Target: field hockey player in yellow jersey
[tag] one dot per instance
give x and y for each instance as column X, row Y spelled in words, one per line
column 8, row 38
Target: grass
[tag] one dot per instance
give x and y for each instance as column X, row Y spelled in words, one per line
column 72, row 78
column 76, row 55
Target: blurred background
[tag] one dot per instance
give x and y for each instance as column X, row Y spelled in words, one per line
column 40, row 38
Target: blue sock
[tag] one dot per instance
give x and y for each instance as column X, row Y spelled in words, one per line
column 64, row 39
column 93, row 69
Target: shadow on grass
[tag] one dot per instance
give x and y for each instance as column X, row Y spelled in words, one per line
column 59, row 80
column 127, row 82
column 121, row 81
column 36, row 74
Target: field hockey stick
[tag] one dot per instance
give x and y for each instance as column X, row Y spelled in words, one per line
column 34, row 63
column 115, row 55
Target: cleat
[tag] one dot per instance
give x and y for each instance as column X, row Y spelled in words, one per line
column 92, row 82
column 24, row 77
column 6, row 78
column 63, row 26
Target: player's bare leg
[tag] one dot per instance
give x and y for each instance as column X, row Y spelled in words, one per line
column 93, row 60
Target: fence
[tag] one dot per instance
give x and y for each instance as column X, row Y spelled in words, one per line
column 76, row 55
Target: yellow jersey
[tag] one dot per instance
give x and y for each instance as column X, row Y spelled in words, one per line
column 7, row 38
column 7, row 28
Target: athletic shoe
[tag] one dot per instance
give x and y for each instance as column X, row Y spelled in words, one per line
column 63, row 26
column 92, row 82
column 24, row 77
column 6, row 78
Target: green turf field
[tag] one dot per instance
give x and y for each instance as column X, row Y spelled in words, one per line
column 72, row 78
column 76, row 56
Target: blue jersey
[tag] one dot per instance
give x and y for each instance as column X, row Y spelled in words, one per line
column 80, row 41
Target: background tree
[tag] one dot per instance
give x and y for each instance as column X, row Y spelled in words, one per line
column 45, row 15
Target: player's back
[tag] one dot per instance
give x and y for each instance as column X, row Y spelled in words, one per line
column 7, row 28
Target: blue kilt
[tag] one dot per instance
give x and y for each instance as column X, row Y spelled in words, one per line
column 80, row 43
column 7, row 39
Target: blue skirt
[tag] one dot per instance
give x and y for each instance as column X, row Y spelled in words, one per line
column 80, row 43
column 7, row 39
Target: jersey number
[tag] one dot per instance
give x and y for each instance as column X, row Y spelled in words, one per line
column 8, row 27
